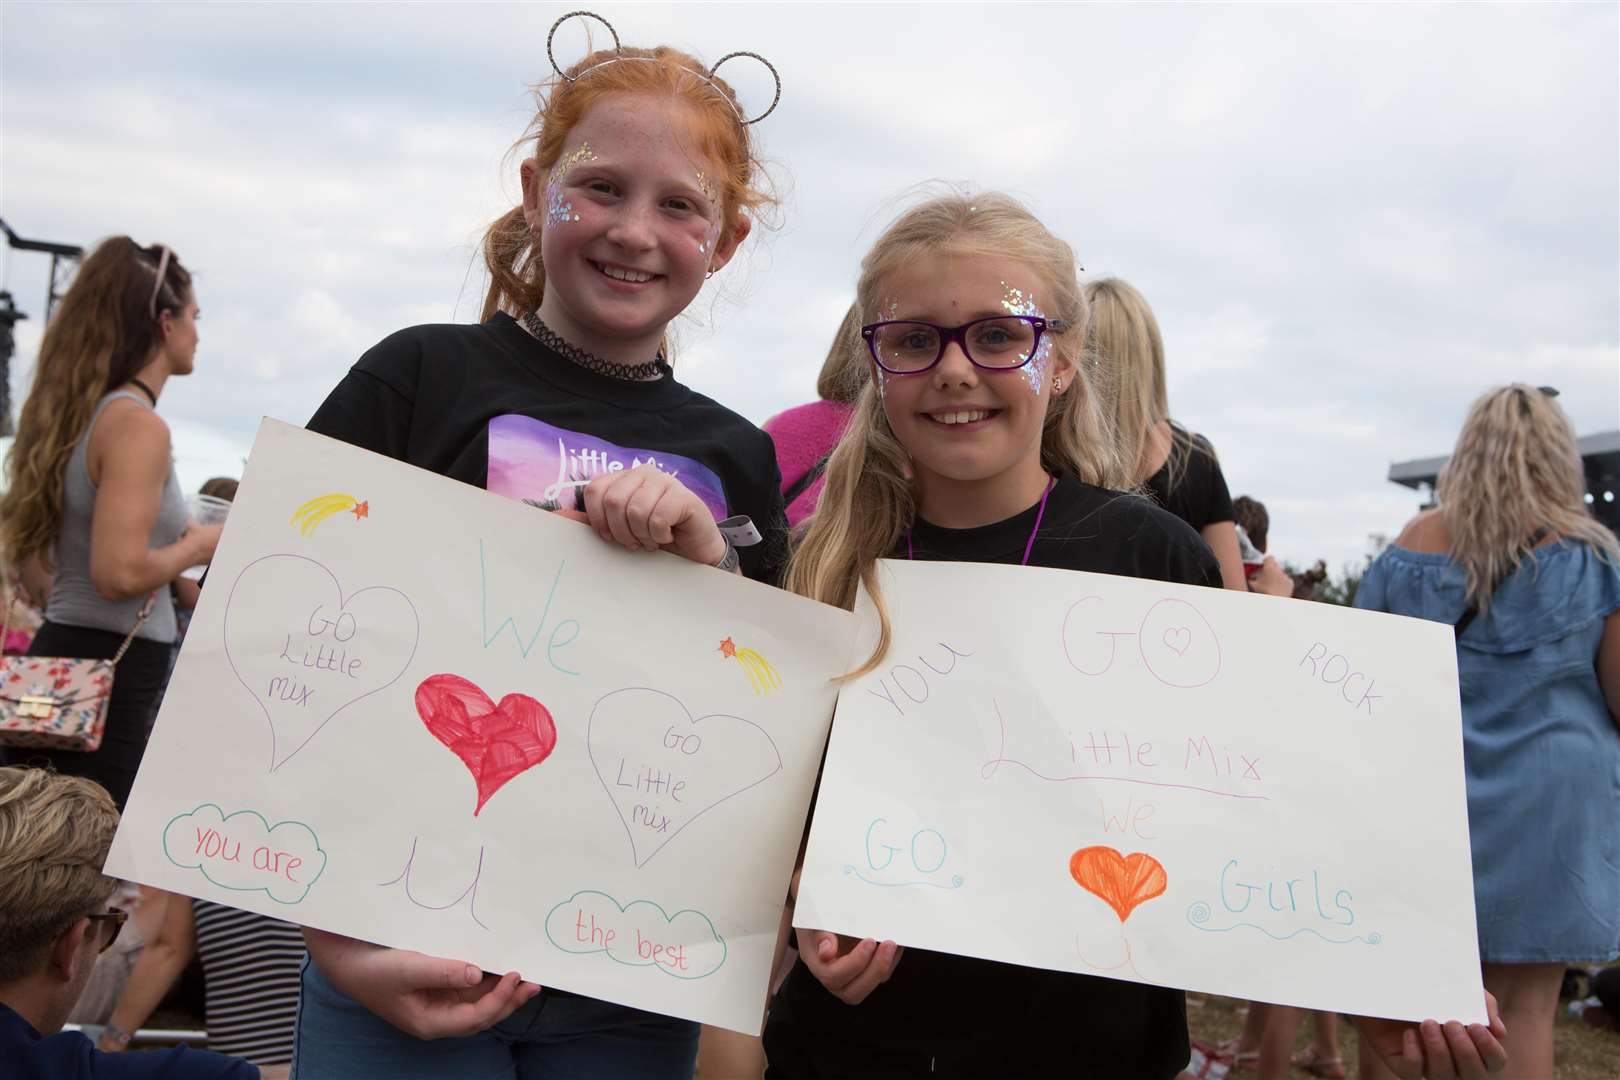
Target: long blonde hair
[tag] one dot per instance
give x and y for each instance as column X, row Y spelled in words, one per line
column 54, row 835
column 844, row 371
column 1515, row 469
column 512, row 253
column 1125, row 340
column 869, row 500
column 105, row 331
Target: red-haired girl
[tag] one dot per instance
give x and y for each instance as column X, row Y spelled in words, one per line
column 641, row 182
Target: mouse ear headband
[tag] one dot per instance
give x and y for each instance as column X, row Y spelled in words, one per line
column 619, row 57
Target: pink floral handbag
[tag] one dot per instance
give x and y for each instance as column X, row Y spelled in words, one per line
column 56, row 702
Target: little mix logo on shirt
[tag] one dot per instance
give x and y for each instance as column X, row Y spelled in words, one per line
column 541, row 463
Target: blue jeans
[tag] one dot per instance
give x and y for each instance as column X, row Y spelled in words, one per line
column 554, row 1037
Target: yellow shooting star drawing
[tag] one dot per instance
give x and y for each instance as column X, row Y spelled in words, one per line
column 760, row 674
column 309, row 516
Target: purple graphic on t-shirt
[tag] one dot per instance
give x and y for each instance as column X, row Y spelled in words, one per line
column 541, row 463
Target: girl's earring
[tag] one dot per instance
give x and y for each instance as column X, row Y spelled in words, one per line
column 1057, row 386
column 707, row 274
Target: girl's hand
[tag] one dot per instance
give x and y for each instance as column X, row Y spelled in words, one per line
column 421, row 995
column 1440, row 1052
column 646, row 509
column 850, row 969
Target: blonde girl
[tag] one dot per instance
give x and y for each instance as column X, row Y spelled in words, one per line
column 1531, row 583
column 1177, row 468
column 979, row 439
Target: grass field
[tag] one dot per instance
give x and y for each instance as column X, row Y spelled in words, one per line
column 1583, row 1052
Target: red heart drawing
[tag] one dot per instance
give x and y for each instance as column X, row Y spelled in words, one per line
column 495, row 741
column 1120, row 881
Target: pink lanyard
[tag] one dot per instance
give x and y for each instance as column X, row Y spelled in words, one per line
column 1029, row 546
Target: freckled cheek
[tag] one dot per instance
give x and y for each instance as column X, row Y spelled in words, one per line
column 583, row 216
column 572, row 235
column 558, row 243
column 689, row 246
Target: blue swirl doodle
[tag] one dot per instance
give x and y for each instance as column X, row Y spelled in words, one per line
column 1199, row 912
column 956, row 881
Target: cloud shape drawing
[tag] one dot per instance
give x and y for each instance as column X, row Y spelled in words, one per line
column 684, row 945
column 245, row 853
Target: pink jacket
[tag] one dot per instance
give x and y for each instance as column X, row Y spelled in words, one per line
column 804, row 435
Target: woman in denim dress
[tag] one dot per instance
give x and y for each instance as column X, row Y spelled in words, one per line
column 1513, row 559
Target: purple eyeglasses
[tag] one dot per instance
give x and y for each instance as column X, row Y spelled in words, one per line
column 996, row 343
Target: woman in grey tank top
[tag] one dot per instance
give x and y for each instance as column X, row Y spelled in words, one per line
column 93, row 494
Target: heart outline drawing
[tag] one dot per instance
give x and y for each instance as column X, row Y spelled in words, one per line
column 1197, row 663
column 1123, row 882
column 692, row 721
column 496, row 741
column 277, row 758
column 1180, row 633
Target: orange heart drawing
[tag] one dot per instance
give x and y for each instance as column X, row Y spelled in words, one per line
column 1120, row 881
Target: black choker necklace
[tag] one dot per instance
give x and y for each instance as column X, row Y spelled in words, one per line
column 147, row 390
column 655, row 368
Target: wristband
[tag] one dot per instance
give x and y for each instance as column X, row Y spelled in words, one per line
column 739, row 530
column 116, row 1034
column 731, row 559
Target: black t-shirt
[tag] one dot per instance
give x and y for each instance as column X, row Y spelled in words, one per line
column 1200, row 496
column 944, row 1015
column 491, row 406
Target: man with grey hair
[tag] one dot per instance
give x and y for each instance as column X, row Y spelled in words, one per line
column 54, row 922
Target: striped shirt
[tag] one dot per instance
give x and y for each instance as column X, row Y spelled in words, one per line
column 251, row 969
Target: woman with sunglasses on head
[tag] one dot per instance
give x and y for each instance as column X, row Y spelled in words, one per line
column 93, row 494
column 1515, row 562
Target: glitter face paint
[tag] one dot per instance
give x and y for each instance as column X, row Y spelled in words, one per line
column 1018, row 302
column 707, row 243
column 888, row 314
column 558, row 209
column 708, row 190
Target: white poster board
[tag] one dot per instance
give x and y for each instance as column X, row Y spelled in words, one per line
column 1188, row 787
column 417, row 713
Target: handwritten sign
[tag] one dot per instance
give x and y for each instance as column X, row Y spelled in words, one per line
column 417, row 713
column 1159, row 783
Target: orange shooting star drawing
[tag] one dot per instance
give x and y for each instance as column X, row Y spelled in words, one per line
column 308, row 517
column 761, row 676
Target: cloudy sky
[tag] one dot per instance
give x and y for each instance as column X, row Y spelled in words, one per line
column 1350, row 219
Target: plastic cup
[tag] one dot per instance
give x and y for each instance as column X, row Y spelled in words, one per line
column 206, row 510
column 209, row 510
